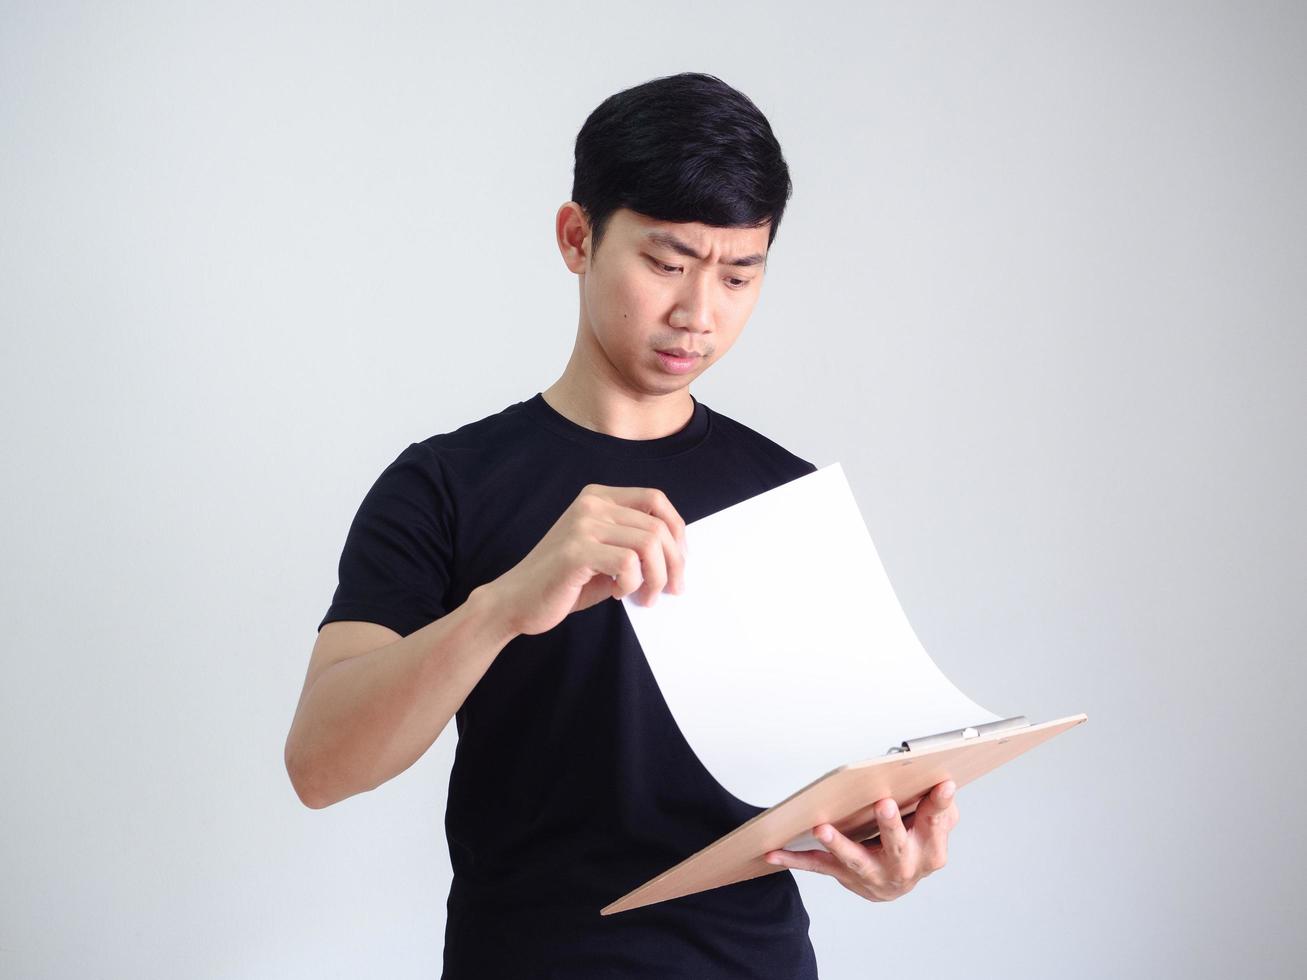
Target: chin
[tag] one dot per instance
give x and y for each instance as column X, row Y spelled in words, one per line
column 666, row 384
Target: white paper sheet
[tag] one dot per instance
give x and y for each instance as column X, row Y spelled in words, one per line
column 788, row 654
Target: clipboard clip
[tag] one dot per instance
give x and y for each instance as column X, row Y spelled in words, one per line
column 959, row 735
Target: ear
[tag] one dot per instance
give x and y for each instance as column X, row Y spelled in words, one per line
column 572, row 228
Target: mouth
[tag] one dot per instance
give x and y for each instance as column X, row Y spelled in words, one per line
column 678, row 361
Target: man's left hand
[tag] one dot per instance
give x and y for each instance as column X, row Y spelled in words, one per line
column 883, row 871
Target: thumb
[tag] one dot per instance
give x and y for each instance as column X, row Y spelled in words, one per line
column 599, row 588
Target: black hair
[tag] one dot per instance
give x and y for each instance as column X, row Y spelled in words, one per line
column 684, row 147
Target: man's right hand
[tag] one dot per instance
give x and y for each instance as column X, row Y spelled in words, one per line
column 609, row 542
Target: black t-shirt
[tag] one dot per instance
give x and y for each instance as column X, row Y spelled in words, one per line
column 572, row 783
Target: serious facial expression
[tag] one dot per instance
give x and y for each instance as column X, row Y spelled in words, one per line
column 665, row 300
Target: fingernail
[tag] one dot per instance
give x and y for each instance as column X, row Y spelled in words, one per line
column 889, row 809
column 947, row 792
column 773, row 859
column 824, row 835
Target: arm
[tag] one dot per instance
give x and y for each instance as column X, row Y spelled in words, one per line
column 374, row 702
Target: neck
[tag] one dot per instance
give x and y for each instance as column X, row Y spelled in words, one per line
column 579, row 395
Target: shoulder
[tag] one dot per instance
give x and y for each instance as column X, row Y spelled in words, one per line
column 460, row 462
column 778, row 463
column 465, row 448
column 488, row 434
column 436, row 465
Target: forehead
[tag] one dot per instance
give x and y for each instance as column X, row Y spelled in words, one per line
column 743, row 246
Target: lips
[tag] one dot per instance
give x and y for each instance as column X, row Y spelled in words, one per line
column 679, row 352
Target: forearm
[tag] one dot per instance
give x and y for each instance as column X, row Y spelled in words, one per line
column 369, row 717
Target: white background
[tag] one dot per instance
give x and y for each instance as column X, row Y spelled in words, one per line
column 1039, row 290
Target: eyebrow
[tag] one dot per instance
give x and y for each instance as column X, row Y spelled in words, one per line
column 676, row 245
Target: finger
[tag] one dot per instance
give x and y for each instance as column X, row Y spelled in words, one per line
column 650, row 500
column 893, row 835
column 649, row 547
column 871, row 836
column 856, row 858
column 622, row 565
column 818, row 861
column 934, row 854
column 936, row 811
column 934, row 847
column 673, row 553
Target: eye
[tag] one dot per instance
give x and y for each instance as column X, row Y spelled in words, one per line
column 735, row 281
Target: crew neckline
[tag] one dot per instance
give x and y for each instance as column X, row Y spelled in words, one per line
column 683, row 439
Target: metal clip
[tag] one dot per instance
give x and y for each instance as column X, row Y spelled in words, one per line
column 959, row 735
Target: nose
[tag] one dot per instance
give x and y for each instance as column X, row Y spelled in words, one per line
column 694, row 310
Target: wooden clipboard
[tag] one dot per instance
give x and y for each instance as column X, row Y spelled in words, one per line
column 843, row 797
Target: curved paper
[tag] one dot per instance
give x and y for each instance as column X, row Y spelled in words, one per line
column 789, row 655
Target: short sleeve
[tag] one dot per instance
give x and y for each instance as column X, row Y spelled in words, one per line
column 396, row 564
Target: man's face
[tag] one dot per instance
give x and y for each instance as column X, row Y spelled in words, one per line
column 658, row 286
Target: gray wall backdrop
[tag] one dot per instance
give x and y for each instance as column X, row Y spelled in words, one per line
column 1040, row 290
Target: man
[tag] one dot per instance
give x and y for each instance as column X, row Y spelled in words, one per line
column 482, row 574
